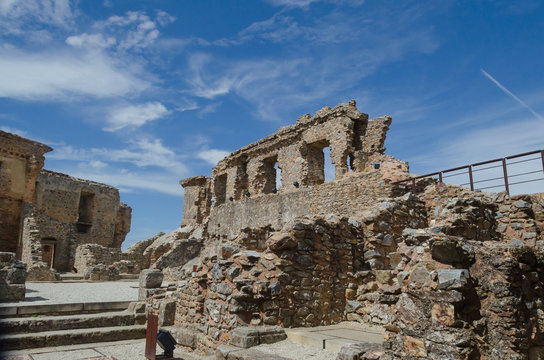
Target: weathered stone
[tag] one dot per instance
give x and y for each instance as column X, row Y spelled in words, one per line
column 151, row 278
column 167, row 313
column 281, row 241
column 357, row 351
column 453, row 278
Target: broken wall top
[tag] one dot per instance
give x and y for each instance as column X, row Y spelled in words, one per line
column 290, row 134
column 19, row 146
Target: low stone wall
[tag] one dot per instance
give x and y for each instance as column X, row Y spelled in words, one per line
column 12, row 278
column 342, row 197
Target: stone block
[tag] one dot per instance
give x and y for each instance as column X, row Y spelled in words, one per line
column 151, row 278
column 452, row 278
column 357, row 351
column 12, row 292
column 245, row 337
column 146, row 293
column 137, row 307
column 167, row 313
column 186, row 337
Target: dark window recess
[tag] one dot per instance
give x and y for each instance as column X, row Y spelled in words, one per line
column 85, row 219
column 220, row 189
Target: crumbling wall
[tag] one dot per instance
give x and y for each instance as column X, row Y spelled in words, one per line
column 245, row 181
column 70, row 212
column 20, row 162
column 12, row 278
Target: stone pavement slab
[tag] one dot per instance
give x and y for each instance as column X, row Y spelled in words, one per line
column 78, row 292
column 333, row 337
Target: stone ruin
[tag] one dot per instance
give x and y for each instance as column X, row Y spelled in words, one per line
column 47, row 219
column 448, row 273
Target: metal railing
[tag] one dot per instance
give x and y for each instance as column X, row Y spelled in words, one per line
column 537, row 155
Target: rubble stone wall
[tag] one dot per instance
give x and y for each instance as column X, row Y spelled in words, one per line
column 242, row 191
column 12, row 278
column 20, row 162
column 70, row 212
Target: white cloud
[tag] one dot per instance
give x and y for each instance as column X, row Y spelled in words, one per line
column 91, row 40
column 19, row 16
column 135, row 115
column 140, row 152
column 212, row 156
column 60, row 75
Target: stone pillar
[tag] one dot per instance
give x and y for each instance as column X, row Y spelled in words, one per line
column 197, row 199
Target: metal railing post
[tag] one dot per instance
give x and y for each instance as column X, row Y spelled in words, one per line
column 542, row 156
column 470, row 178
column 414, row 186
column 440, row 174
column 505, row 172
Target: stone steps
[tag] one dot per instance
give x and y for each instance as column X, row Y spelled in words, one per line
column 70, row 337
column 29, row 309
column 68, row 322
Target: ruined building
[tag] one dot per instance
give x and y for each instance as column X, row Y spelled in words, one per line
column 447, row 272
column 45, row 216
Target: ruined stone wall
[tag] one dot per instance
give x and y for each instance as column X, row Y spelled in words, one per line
column 20, row 162
column 69, row 212
column 245, row 181
column 341, row 197
column 12, row 278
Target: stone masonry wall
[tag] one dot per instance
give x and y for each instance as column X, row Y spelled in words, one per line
column 245, row 181
column 20, row 162
column 70, row 212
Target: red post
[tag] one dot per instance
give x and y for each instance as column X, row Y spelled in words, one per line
column 151, row 336
column 505, row 172
column 470, row 178
column 440, row 177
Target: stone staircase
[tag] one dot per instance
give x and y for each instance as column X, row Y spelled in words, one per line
column 47, row 325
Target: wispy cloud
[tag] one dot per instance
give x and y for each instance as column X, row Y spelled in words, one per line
column 512, row 95
column 134, row 116
column 18, row 17
column 212, row 156
column 54, row 75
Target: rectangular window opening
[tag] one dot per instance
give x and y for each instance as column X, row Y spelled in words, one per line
column 85, row 212
column 350, row 162
column 220, row 189
column 316, row 162
column 271, row 173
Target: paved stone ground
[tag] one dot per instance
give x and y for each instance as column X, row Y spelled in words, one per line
column 134, row 350
column 77, row 292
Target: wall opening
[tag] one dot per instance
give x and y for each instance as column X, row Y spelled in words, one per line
column 220, row 189
column 270, row 184
column 85, row 218
column 278, row 175
column 316, row 162
column 328, row 166
column 350, row 162
column 48, row 251
column 241, row 185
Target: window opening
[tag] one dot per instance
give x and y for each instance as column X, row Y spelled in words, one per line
column 85, row 213
column 329, row 168
column 220, row 189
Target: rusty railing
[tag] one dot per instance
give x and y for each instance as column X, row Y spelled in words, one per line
column 473, row 168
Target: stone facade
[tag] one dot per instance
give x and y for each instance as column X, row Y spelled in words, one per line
column 45, row 216
column 21, row 160
column 69, row 212
column 242, row 191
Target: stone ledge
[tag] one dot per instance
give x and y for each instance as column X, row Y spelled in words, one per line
column 246, row 337
column 229, row 352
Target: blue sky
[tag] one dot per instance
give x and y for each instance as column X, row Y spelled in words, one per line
column 140, row 94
